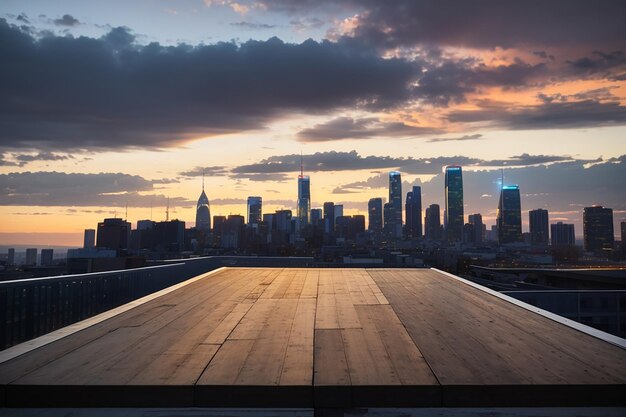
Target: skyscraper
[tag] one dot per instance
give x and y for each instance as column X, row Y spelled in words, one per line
column 113, row 234
column 476, row 220
column 598, row 229
column 11, row 256
column 304, row 198
column 329, row 217
column 89, row 240
column 509, row 216
column 31, row 257
column 47, row 256
column 389, row 220
column 395, row 199
column 255, row 211
column 538, row 220
column 432, row 222
column 203, row 211
column 375, row 215
column 454, row 203
column 413, row 212
column 623, row 236
column 316, row 216
column 562, row 234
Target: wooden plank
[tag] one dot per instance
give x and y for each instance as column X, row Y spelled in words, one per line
column 298, row 364
column 331, row 366
column 226, row 326
column 309, row 290
column 331, row 377
column 265, row 362
column 464, row 338
column 405, row 357
column 297, row 284
column 254, row 320
column 326, row 316
column 227, row 363
column 368, row 361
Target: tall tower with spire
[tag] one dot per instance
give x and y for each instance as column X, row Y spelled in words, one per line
column 203, row 211
column 304, row 197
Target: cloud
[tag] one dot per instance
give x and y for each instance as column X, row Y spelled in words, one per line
column 476, row 136
column 73, row 189
column 62, row 93
column 320, row 161
column 262, row 177
column 252, row 25
column 548, row 115
column 66, row 20
column 599, row 62
column 473, row 24
column 210, row 171
column 363, row 128
column 351, row 161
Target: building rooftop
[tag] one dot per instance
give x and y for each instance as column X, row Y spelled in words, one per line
column 273, row 337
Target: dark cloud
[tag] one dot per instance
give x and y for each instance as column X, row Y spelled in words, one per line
column 210, row 171
column 252, row 25
column 23, row 18
column 475, row 136
column 66, row 20
column 320, row 161
column 600, row 62
column 111, row 93
column 71, row 189
column 369, row 127
column 449, row 81
column 261, row 177
column 41, row 156
column 351, row 161
column 478, row 23
column 549, row 115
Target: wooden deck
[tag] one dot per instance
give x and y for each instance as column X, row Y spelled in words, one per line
column 253, row 337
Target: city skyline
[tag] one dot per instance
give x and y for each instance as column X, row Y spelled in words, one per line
column 542, row 102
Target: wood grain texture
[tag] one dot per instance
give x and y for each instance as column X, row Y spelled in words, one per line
column 321, row 337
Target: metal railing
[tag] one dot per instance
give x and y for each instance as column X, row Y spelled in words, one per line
column 32, row 307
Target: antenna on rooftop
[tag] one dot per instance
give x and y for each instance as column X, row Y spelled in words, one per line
column 202, row 180
column 126, row 212
column 167, row 210
column 501, row 178
column 301, row 165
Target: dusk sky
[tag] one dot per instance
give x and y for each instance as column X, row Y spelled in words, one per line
column 105, row 104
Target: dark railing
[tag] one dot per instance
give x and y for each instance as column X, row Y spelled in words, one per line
column 32, row 307
column 602, row 309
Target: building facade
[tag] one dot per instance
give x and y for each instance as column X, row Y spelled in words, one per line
column 395, row 199
column 375, row 215
column 562, row 234
column 255, row 211
column 413, row 212
column 454, row 203
column 539, row 230
column 598, row 229
column 509, row 216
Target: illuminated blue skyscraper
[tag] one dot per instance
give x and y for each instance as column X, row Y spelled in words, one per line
column 509, row 219
column 395, row 199
column 454, row 203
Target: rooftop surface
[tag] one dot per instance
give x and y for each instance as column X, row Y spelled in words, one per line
column 272, row 337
